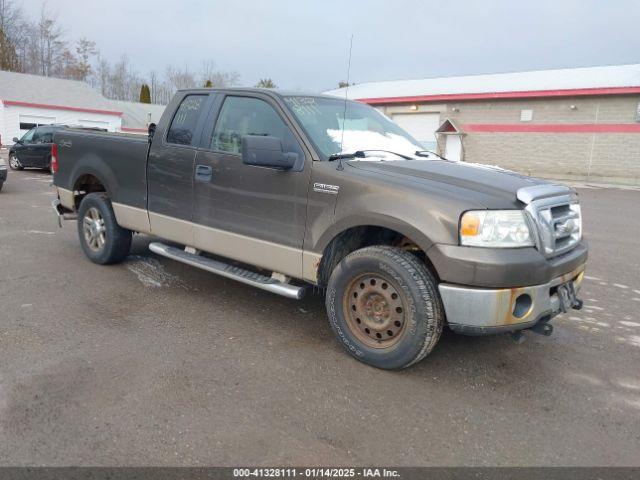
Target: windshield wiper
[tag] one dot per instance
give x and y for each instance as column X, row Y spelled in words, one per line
column 428, row 153
column 362, row 154
column 341, row 156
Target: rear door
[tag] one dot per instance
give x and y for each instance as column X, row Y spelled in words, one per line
column 170, row 170
column 252, row 214
column 41, row 148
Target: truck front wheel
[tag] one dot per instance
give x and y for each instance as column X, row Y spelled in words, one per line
column 383, row 305
column 102, row 239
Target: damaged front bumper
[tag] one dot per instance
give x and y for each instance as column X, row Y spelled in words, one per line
column 484, row 311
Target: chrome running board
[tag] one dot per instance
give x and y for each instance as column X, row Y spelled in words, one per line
column 229, row 271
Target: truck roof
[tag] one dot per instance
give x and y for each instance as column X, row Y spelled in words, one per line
column 269, row 91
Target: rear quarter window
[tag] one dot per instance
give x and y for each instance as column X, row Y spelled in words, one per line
column 185, row 121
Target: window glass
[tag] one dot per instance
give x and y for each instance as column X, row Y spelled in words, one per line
column 250, row 116
column 43, row 136
column 184, row 123
column 28, row 137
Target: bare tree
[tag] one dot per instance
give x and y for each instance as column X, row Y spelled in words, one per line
column 8, row 57
column 178, row 79
column 218, row 78
column 49, row 40
column 39, row 47
column 10, row 18
column 85, row 49
column 102, row 76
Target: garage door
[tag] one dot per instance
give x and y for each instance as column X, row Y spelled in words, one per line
column 421, row 126
column 27, row 122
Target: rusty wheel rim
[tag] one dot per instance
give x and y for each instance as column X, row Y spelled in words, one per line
column 375, row 310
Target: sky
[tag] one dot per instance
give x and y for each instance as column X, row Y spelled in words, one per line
column 304, row 44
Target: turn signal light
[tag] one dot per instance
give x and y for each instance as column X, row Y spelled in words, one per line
column 469, row 225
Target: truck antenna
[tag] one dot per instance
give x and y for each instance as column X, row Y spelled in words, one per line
column 344, row 114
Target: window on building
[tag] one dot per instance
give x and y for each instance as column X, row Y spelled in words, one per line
column 638, row 112
column 27, row 126
column 250, row 116
column 526, row 115
column 184, row 123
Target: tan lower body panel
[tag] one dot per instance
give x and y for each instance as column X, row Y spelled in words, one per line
column 67, row 199
column 261, row 253
column 133, row 218
column 310, row 264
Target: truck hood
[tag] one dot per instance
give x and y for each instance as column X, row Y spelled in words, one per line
column 492, row 186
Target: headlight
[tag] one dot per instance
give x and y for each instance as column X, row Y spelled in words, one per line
column 495, row 228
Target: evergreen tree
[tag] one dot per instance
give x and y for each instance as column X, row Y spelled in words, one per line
column 145, row 94
column 8, row 58
column 266, row 83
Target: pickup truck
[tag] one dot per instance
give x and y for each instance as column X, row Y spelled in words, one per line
column 286, row 191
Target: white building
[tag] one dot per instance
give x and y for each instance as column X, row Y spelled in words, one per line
column 27, row 101
column 573, row 123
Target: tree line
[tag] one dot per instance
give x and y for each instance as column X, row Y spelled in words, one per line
column 39, row 46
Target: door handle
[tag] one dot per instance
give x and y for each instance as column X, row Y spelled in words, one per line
column 203, row 173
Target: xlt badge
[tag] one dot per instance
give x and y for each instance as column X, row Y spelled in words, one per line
column 326, row 188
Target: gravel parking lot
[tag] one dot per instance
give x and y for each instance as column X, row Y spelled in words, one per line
column 152, row 362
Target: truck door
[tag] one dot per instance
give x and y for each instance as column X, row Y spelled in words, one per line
column 170, row 170
column 252, row 214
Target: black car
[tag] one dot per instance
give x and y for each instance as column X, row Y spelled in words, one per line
column 34, row 148
column 3, row 172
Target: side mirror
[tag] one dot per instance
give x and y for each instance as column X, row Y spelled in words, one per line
column 16, row 140
column 265, row 151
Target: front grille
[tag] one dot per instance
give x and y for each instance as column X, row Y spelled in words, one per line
column 557, row 218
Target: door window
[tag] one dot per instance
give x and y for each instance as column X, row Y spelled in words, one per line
column 184, row 123
column 42, row 135
column 28, row 137
column 250, row 116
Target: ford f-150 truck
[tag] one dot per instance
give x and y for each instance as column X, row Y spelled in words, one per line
column 285, row 191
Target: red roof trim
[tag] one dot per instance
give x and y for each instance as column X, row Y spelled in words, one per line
column 60, row 107
column 552, row 128
column 502, row 95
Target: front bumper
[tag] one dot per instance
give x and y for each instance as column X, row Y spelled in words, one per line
column 482, row 311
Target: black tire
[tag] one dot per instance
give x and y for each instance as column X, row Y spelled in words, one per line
column 418, row 326
column 1, row 185
column 116, row 241
column 14, row 163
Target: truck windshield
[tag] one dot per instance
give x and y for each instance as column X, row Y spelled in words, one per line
column 365, row 128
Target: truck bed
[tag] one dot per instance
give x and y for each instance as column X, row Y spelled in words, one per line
column 120, row 160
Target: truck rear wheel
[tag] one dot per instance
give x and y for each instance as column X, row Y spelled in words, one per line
column 383, row 305
column 102, row 239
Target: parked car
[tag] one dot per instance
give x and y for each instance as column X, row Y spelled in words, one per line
column 284, row 191
column 3, row 172
column 33, row 150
